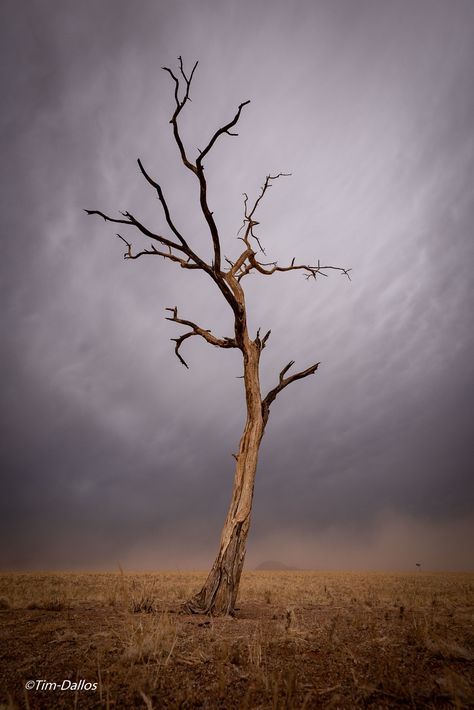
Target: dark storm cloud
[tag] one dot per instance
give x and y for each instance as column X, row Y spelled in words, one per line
column 113, row 451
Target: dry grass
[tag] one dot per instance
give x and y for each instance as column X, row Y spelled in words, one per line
column 299, row 640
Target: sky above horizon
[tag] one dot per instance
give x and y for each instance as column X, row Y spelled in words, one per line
column 115, row 453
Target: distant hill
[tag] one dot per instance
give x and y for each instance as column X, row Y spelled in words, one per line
column 269, row 565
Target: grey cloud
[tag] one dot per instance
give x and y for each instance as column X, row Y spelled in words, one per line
column 111, row 445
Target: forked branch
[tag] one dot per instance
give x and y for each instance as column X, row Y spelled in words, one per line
column 133, row 222
column 179, row 106
column 248, row 261
column 153, row 251
column 198, row 168
column 310, row 270
column 284, row 382
column 196, row 330
column 190, row 260
column 261, row 342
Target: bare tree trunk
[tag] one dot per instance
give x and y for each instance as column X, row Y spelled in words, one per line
column 219, row 593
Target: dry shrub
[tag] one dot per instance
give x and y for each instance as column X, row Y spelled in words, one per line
column 48, row 605
column 143, row 605
column 153, row 641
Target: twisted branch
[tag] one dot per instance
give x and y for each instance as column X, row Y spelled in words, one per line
column 196, row 330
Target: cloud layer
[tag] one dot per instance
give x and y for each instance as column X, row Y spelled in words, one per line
column 114, row 451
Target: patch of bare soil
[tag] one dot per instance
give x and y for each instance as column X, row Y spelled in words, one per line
column 298, row 640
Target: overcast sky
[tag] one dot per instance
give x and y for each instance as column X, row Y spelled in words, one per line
column 114, row 452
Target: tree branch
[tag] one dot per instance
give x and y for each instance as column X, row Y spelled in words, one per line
column 185, row 264
column 179, row 106
column 187, row 249
column 198, row 168
column 284, row 382
column 248, row 261
column 311, row 270
column 182, row 247
column 161, row 198
column 131, row 220
column 220, row 132
column 196, row 330
column 261, row 342
column 266, row 185
column 203, row 187
column 249, row 220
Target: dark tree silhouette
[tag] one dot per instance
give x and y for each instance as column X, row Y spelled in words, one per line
column 219, row 593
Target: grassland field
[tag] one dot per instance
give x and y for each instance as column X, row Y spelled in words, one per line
column 298, row 640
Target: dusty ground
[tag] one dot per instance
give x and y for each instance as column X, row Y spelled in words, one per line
column 299, row 640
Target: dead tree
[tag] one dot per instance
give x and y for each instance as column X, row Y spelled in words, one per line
column 219, row 593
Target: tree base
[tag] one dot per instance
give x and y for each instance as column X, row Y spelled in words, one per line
column 192, row 607
column 219, row 593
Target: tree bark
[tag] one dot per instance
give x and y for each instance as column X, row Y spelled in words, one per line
column 219, row 593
